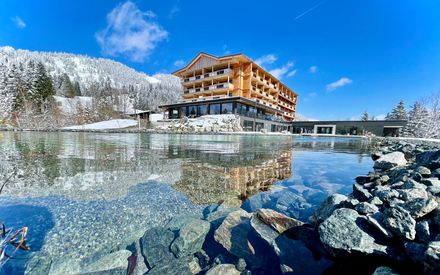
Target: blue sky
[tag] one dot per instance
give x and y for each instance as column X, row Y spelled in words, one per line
column 342, row 57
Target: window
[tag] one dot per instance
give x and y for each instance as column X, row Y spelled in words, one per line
column 248, row 125
column 214, row 109
column 202, row 110
column 227, row 108
column 192, row 111
column 259, row 126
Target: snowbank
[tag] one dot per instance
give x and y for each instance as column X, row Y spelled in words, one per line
column 71, row 105
column 102, row 125
column 208, row 123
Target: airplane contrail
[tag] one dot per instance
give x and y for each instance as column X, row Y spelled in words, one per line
column 309, row 10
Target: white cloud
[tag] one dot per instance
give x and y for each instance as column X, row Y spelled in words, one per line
column 313, row 69
column 292, row 73
column 179, row 63
column 266, row 59
column 131, row 32
column 338, row 83
column 281, row 71
column 19, row 23
column 175, row 9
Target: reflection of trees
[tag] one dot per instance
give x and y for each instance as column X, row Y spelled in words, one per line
column 205, row 182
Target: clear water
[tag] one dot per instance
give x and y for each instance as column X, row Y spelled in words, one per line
column 84, row 193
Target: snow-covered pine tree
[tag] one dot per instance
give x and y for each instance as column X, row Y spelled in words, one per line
column 398, row 113
column 45, row 87
column 11, row 90
column 365, row 116
column 67, row 89
column 417, row 121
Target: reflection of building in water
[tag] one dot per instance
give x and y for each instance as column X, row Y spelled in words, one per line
column 206, row 183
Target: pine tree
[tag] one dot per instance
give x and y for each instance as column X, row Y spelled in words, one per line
column 67, row 88
column 44, row 85
column 365, row 116
column 398, row 113
column 417, row 121
column 77, row 89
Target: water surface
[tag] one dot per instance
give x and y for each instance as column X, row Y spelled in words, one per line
column 85, row 193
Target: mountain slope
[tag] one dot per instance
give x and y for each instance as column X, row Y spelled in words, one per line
column 94, row 74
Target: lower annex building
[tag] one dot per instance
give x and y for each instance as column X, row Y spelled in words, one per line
column 234, row 84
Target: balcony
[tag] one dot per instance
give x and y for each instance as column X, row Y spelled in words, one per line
column 210, row 75
column 215, row 87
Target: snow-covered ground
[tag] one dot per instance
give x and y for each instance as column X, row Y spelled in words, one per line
column 103, row 125
column 71, row 105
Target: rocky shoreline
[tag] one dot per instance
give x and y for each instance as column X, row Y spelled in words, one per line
column 389, row 224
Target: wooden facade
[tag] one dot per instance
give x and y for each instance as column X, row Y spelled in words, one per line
column 209, row 77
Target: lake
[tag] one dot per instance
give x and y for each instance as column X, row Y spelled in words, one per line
column 84, row 193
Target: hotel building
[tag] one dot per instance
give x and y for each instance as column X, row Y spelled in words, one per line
column 234, row 84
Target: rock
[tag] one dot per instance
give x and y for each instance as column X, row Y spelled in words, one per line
column 285, row 269
column 194, row 266
column 62, row 266
column 155, row 246
column 432, row 258
column 436, row 173
column 385, row 270
column 191, row 237
column 376, row 201
column 349, row 203
column 400, row 222
column 240, row 265
column 327, row 207
column 423, row 232
column 413, row 193
column 366, row 208
column 423, row 171
column 365, row 179
column 202, row 258
column 38, row 264
column 429, row 159
column 276, row 220
column 431, row 182
column 420, row 207
column 223, row 269
column 385, row 193
column 361, row 193
column 114, row 263
column 415, row 251
column 376, row 221
column 232, row 234
column 434, row 190
column 390, row 160
column 342, row 236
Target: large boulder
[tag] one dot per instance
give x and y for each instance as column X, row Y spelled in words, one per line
column 155, row 246
column 112, row 264
column 290, row 252
column 233, row 233
column 390, row 160
column 400, row 222
column 342, row 235
column 327, row 207
column 429, row 159
column 385, row 270
column 190, row 237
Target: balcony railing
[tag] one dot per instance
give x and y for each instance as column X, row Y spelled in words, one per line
column 219, row 86
column 206, row 76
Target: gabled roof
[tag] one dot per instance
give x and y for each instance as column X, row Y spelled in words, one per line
column 203, row 54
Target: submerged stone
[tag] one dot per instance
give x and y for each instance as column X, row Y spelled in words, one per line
column 191, row 237
column 223, row 269
column 276, row 220
column 114, row 263
column 385, row 270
